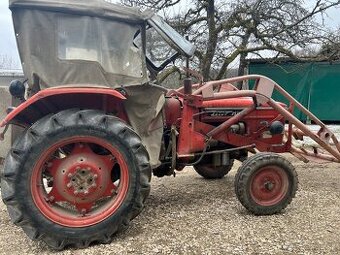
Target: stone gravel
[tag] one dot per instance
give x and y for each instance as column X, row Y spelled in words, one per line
column 190, row 215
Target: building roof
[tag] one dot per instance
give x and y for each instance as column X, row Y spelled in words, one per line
column 11, row 72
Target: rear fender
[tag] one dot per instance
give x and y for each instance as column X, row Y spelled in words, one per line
column 57, row 99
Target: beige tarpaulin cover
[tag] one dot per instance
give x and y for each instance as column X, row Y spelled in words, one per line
column 78, row 42
column 144, row 109
column 89, row 43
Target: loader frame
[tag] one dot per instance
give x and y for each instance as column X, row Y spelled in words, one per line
column 195, row 134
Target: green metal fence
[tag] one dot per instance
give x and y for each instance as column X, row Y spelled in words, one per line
column 316, row 85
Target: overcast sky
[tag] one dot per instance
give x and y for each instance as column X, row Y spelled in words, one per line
column 7, row 39
column 8, row 43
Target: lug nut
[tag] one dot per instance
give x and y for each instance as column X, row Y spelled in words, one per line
column 51, row 198
column 69, row 175
column 83, row 211
column 95, row 176
column 78, row 168
column 69, row 185
column 76, row 192
column 88, row 168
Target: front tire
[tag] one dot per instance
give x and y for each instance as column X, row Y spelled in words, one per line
column 75, row 178
column 266, row 183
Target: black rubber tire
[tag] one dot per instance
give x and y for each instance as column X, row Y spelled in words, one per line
column 246, row 162
column 208, row 171
column 249, row 168
column 19, row 163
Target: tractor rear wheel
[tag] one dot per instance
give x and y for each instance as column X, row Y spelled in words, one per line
column 75, row 178
column 266, row 183
column 208, row 171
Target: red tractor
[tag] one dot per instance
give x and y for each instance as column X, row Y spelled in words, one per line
column 95, row 127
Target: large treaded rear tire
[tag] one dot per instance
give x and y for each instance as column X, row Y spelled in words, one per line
column 16, row 190
column 273, row 196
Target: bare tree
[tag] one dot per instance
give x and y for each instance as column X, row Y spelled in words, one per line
column 330, row 49
column 227, row 32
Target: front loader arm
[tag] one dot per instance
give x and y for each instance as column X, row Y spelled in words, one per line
column 262, row 95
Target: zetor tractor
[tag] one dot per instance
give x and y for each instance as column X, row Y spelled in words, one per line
column 95, row 127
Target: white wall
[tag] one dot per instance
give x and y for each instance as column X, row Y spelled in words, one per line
column 6, row 76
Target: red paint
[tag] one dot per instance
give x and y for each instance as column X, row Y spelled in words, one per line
column 231, row 121
column 63, row 170
column 189, row 140
column 233, row 103
column 48, row 93
column 172, row 111
column 195, row 126
column 240, row 102
column 238, row 140
column 269, row 185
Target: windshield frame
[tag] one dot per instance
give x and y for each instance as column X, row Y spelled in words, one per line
column 171, row 36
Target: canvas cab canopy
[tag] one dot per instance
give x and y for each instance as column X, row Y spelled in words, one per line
column 85, row 42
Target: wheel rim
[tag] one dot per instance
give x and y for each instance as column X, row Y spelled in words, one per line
column 79, row 181
column 269, row 185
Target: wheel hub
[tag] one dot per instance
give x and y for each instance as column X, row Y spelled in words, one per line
column 83, row 181
column 81, row 178
column 269, row 185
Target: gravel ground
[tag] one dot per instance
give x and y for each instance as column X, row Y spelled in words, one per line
column 190, row 215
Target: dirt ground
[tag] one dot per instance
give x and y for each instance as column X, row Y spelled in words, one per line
column 190, row 215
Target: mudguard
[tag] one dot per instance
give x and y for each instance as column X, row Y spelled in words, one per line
column 46, row 95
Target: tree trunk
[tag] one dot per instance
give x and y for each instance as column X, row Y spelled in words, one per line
column 241, row 68
column 212, row 42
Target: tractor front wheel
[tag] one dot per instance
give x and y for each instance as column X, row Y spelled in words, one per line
column 75, row 178
column 266, row 183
